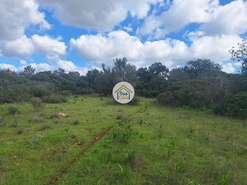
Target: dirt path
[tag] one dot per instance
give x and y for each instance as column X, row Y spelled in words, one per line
column 64, row 168
column 97, row 138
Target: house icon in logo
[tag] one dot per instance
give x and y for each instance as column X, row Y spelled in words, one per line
column 123, row 92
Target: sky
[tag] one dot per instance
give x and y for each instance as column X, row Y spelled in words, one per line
column 81, row 35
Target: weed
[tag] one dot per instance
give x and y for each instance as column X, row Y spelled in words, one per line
column 122, row 134
column 137, row 161
column 245, row 124
column 56, row 122
column 19, row 131
column 130, row 155
column 54, row 115
column 180, row 167
column 228, row 137
column 190, row 132
column 171, row 149
column 2, row 122
column 123, row 171
column 119, row 117
column 37, row 119
column 45, row 127
column 66, row 129
column 242, row 151
column 13, row 110
column 141, row 122
column 76, row 122
column 15, row 123
column 170, row 152
column 224, row 179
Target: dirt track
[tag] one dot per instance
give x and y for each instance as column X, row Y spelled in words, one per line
column 64, row 168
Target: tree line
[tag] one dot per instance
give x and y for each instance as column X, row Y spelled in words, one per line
column 200, row 84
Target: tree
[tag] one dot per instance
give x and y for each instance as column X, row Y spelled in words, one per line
column 28, row 71
column 240, row 54
column 178, row 74
column 91, row 76
column 158, row 69
column 143, row 74
column 124, row 71
column 152, row 80
column 198, row 67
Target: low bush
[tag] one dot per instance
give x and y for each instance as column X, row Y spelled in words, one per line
column 135, row 101
column 39, row 92
column 12, row 110
column 54, row 99
column 237, row 106
column 36, row 103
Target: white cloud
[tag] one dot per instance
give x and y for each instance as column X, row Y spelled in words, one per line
column 8, row 66
column 21, row 47
column 179, row 14
column 24, row 47
column 99, row 48
column 231, row 67
column 118, row 44
column 70, row 66
column 18, row 15
column 214, row 47
column 228, row 19
column 214, row 18
column 94, row 14
column 52, row 48
column 23, row 62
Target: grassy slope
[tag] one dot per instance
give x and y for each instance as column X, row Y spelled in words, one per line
column 147, row 145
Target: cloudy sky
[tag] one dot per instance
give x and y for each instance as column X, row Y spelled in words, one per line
column 81, row 35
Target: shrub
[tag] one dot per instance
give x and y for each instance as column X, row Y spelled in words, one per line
column 19, row 131
column 45, row 127
column 39, row 92
column 237, row 106
column 2, row 122
column 135, row 101
column 76, row 122
column 13, row 110
column 54, row 99
column 36, row 103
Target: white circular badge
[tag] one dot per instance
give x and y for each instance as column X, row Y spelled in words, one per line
column 123, row 92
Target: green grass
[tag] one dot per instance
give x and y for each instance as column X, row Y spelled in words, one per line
column 146, row 145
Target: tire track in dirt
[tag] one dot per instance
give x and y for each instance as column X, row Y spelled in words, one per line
column 96, row 139
column 65, row 168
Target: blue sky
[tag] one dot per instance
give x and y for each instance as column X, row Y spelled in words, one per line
column 81, row 35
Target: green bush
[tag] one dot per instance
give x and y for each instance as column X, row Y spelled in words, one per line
column 135, row 101
column 36, row 103
column 54, row 99
column 38, row 92
column 12, row 110
column 237, row 106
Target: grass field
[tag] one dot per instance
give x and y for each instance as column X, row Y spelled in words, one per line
column 92, row 140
